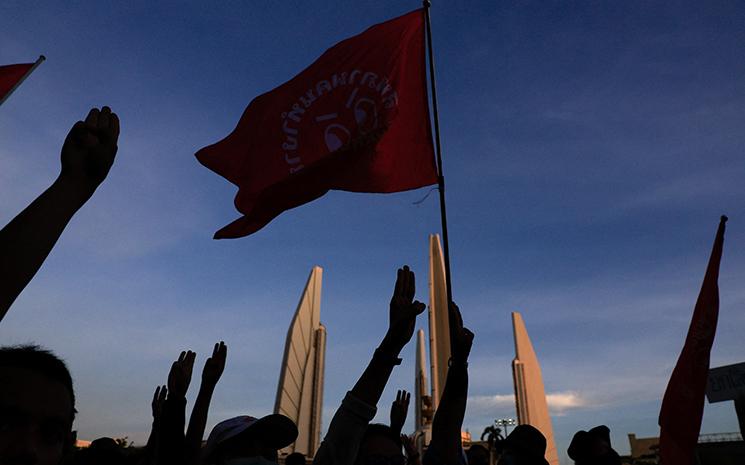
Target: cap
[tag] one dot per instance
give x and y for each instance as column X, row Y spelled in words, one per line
column 275, row 430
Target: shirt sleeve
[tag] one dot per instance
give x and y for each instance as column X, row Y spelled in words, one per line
column 432, row 457
column 343, row 438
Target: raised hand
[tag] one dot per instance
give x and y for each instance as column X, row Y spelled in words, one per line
column 403, row 310
column 213, row 368
column 461, row 338
column 180, row 375
column 89, row 150
column 158, row 399
column 399, row 409
column 25, row 242
column 215, row 365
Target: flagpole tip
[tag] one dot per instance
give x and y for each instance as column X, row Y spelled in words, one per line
column 723, row 218
column 42, row 58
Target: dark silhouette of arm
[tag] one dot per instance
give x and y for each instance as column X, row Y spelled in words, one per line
column 403, row 312
column 171, row 447
column 448, row 421
column 151, row 448
column 348, row 426
column 25, row 242
column 399, row 410
column 213, row 369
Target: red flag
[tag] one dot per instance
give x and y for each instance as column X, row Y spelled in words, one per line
column 10, row 75
column 356, row 120
column 683, row 404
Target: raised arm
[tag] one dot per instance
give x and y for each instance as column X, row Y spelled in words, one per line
column 25, row 242
column 173, row 417
column 448, row 421
column 350, row 421
column 399, row 410
column 402, row 319
column 151, row 448
column 211, row 373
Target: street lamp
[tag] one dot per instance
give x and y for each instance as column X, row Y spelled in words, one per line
column 504, row 423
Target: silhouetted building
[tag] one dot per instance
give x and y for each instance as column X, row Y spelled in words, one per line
column 712, row 449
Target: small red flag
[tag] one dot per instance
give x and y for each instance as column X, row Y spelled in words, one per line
column 356, row 120
column 683, row 404
column 10, row 75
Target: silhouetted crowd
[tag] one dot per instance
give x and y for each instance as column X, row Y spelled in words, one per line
column 37, row 398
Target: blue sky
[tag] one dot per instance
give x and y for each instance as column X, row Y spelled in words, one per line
column 589, row 149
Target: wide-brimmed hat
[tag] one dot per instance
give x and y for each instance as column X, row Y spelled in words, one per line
column 276, row 431
column 528, row 442
column 589, row 446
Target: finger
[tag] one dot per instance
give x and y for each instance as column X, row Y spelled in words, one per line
column 163, row 392
column 417, row 308
column 411, row 286
column 157, row 394
column 104, row 118
column 182, row 356
column 114, row 125
column 398, row 396
column 216, row 350
column 92, row 119
column 77, row 132
column 406, row 282
column 399, row 283
column 223, row 352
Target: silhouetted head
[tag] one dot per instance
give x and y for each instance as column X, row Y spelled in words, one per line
column 593, row 448
column 102, row 451
column 477, row 455
column 525, row 445
column 296, row 458
column 248, row 440
column 380, row 444
column 37, row 407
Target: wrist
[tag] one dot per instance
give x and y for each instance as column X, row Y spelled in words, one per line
column 176, row 396
column 389, row 347
column 385, row 357
column 207, row 388
column 72, row 191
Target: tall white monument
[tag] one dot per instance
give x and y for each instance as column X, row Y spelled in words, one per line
column 530, row 395
column 422, row 398
column 300, row 389
column 439, row 325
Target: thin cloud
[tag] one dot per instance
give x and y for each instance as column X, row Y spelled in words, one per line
column 558, row 402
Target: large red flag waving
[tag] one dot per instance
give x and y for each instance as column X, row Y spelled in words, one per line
column 683, row 404
column 10, row 75
column 356, row 119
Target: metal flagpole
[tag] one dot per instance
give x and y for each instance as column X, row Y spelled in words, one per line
column 31, row 70
column 438, row 151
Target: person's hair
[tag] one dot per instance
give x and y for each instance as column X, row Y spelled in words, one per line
column 39, row 360
column 296, row 458
column 384, row 431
